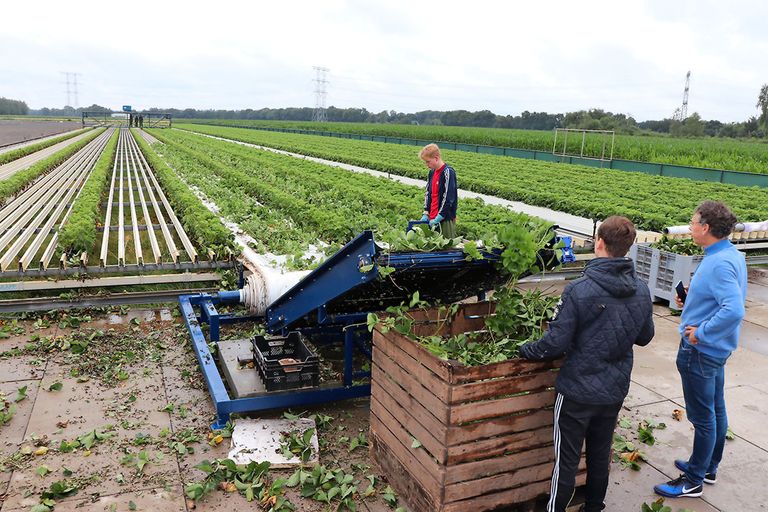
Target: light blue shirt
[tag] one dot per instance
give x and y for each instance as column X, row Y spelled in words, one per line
column 715, row 302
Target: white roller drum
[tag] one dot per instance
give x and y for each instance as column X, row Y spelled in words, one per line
column 265, row 285
column 677, row 230
column 749, row 227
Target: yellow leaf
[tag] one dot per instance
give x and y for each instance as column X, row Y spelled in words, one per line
column 41, row 451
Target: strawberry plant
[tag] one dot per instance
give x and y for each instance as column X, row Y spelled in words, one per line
column 721, row 153
column 651, row 202
column 683, row 246
column 15, row 154
column 79, row 232
column 18, row 181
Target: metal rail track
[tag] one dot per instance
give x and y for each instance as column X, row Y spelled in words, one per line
column 137, row 202
column 28, row 221
column 114, row 299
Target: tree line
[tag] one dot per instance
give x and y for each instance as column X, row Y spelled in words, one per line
column 13, row 107
column 593, row 119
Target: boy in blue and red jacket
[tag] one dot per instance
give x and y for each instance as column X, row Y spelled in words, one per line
column 440, row 197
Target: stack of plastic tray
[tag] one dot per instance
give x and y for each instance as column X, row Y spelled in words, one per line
column 285, row 362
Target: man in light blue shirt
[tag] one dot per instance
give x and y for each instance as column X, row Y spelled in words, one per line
column 709, row 330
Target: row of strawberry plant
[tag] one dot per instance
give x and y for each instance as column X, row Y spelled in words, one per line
column 322, row 202
column 79, row 233
column 32, row 148
column 203, row 227
column 17, row 182
column 718, row 153
column 652, row 202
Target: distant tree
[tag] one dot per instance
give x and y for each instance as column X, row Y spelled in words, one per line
column 762, row 104
column 13, row 107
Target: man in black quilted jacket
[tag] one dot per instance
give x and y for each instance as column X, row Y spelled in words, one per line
column 599, row 318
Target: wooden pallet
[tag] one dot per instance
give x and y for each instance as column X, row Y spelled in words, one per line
column 485, row 432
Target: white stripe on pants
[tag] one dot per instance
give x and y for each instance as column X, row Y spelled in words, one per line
column 556, row 470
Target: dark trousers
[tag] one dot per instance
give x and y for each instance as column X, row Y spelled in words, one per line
column 576, row 423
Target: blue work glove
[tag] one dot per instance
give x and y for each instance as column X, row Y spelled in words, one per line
column 424, row 218
column 437, row 220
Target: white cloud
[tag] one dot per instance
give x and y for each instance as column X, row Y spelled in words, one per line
column 503, row 56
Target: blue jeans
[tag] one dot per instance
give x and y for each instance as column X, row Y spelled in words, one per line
column 703, row 378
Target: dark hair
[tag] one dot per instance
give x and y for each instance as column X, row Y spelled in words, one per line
column 618, row 233
column 719, row 217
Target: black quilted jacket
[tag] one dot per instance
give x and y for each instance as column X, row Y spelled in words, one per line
column 599, row 318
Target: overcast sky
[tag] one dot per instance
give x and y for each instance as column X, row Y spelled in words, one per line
column 554, row 56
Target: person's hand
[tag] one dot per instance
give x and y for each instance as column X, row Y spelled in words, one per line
column 437, row 220
column 424, row 218
column 678, row 301
column 690, row 333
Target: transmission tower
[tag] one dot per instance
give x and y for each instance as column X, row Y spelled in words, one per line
column 77, row 102
column 71, row 87
column 321, row 91
column 681, row 114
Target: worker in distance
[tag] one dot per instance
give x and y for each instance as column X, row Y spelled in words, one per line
column 440, row 196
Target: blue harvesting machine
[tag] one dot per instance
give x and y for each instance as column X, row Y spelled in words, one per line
column 327, row 307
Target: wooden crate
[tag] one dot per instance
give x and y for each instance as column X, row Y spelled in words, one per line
column 485, row 431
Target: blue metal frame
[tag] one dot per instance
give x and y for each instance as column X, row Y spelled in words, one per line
column 225, row 405
column 337, row 275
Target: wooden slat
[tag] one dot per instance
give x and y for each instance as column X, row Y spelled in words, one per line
column 474, row 411
column 519, row 495
column 384, row 402
column 480, row 469
column 399, row 476
column 429, row 475
column 423, row 374
column 419, row 353
column 412, row 386
column 485, row 389
column 422, row 415
column 496, row 446
column 463, row 374
column 498, row 426
column 499, row 482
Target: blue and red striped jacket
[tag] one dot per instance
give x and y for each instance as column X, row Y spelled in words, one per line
column 446, row 193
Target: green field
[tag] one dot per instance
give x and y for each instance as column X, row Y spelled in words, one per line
column 286, row 204
column 730, row 154
column 652, row 202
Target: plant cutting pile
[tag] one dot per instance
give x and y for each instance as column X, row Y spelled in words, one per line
column 683, row 246
column 519, row 317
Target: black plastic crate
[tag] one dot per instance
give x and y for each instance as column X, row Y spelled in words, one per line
column 303, row 371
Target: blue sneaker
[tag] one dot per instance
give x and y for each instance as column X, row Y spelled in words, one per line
column 680, row 487
column 682, row 465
